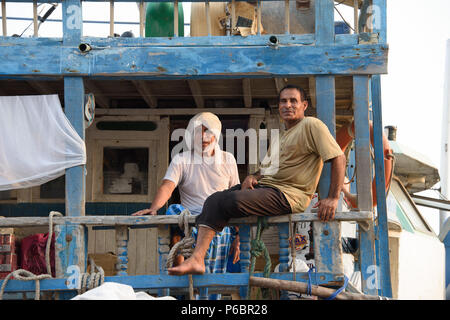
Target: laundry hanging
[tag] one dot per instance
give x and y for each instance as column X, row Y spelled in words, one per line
column 37, row 141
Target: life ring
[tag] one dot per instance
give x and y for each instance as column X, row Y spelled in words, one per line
column 345, row 135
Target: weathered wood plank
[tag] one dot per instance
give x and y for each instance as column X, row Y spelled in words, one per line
column 75, row 177
column 369, row 270
column 167, row 281
column 146, row 93
column 247, row 92
column 180, row 111
column 163, row 219
column 193, row 62
column 197, row 93
column 324, row 11
column 382, row 229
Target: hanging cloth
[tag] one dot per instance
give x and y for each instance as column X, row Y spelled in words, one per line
column 37, row 141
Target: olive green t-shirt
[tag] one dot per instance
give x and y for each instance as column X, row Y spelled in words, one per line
column 295, row 164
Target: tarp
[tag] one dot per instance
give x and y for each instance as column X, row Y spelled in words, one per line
column 37, row 141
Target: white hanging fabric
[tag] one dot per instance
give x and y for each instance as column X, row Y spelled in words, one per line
column 37, row 141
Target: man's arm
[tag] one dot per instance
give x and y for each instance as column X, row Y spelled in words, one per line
column 327, row 207
column 162, row 196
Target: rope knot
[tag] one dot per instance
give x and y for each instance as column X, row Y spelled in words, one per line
column 185, row 246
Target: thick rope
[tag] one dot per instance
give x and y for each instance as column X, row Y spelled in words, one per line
column 93, row 279
column 257, row 248
column 26, row 275
column 183, row 247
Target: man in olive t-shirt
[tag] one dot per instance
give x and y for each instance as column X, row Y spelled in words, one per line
column 285, row 182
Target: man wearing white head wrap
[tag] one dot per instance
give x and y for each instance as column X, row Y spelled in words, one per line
column 199, row 172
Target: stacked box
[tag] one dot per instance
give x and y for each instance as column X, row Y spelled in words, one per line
column 8, row 256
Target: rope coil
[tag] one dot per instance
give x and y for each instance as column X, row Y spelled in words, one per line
column 93, row 279
column 88, row 281
column 25, row 275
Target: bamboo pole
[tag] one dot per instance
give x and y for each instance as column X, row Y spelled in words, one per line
column 111, row 18
column 233, row 15
column 286, row 17
column 258, row 17
column 355, row 16
column 141, row 19
column 4, row 18
column 35, row 19
column 175, row 18
column 303, row 288
column 208, row 18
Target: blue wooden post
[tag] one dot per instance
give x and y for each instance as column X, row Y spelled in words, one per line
column 163, row 252
column 244, row 237
column 70, row 239
column 327, row 244
column 368, row 266
column 283, row 233
column 324, row 22
column 382, row 225
column 122, row 250
column 74, row 108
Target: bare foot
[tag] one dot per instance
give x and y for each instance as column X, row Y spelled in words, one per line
column 189, row 266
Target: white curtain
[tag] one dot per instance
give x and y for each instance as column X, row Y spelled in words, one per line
column 37, row 141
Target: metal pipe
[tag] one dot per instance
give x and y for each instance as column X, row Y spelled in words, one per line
column 84, row 47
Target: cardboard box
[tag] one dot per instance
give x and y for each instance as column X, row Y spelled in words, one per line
column 105, row 260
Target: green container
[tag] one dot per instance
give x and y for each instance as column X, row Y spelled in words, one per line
column 159, row 19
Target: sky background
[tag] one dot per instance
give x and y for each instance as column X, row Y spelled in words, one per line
column 412, row 91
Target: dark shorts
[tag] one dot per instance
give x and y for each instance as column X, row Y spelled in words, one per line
column 221, row 206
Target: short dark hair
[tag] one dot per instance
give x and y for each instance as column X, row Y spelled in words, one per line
column 293, row 86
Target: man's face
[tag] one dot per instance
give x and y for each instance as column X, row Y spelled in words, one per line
column 206, row 138
column 291, row 106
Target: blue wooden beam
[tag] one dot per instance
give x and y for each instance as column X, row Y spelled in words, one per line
column 192, row 62
column 167, row 281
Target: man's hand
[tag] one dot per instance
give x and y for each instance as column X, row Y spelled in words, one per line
column 249, row 182
column 327, row 209
column 235, row 249
column 150, row 211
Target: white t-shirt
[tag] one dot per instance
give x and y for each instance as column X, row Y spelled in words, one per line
column 197, row 180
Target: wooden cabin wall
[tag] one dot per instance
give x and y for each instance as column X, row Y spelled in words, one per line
column 142, row 248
